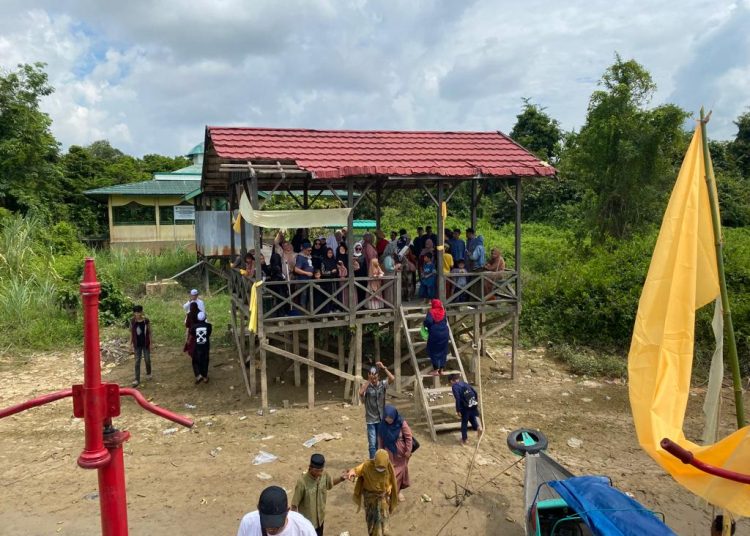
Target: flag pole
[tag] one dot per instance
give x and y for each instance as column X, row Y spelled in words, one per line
column 733, row 360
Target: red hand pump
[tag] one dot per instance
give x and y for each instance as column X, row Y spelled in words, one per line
column 97, row 403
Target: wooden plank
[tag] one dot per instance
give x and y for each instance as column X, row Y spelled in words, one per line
column 305, row 361
column 295, row 351
column 350, row 368
column 341, row 355
column 310, row 369
column 263, row 379
column 357, row 364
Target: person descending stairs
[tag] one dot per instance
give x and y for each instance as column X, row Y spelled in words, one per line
column 432, row 389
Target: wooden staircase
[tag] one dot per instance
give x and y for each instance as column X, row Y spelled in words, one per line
column 433, row 393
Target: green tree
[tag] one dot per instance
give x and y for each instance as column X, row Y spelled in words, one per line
column 740, row 147
column 29, row 176
column 537, row 131
column 626, row 155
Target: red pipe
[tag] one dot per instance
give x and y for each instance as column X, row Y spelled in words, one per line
column 34, row 402
column 687, row 457
column 156, row 410
column 94, row 454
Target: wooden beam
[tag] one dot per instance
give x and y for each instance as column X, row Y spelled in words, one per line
column 441, row 242
column 310, row 369
column 357, row 365
column 361, row 196
column 295, row 350
column 305, row 361
column 434, row 201
column 296, row 199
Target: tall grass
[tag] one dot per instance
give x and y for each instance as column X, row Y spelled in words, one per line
column 40, row 270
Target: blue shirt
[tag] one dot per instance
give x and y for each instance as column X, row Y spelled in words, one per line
column 458, row 249
column 458, row 390
column 305, row 264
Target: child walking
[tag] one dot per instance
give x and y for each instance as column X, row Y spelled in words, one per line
column 201, row 332
column 140, row 342
column 311, row 492
column 467, row 406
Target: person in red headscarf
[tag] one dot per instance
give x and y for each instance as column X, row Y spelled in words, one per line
column 437, row 340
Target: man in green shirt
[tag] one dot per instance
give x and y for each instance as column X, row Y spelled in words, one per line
column 311, row 492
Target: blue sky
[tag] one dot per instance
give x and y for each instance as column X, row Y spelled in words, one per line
column 150, row 75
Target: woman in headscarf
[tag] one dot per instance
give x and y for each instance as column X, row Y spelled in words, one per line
column 342, row 260
column 375, row 273
column 360, row 270
column 391, row 268
column 190, row 318
column 318, row 252
column 368, row 248
column 297, row 239
column 330, row 272
column 438, row 338
column 495, row 267
column 377, row 490
column 395, row 436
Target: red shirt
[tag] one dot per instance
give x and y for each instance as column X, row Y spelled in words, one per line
column 381, row 245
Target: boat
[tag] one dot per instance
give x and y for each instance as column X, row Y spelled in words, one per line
column 558, row 503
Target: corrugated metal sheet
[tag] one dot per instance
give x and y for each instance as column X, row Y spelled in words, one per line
column 166, row 187
column 336, row 154
column 212, row 233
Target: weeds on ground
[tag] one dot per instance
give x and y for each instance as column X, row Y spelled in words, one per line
column 589, row 363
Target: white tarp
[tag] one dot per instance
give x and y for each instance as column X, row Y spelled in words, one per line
column 285, row 219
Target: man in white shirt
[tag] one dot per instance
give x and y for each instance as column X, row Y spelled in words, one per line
column 194, row 298
column 274, row 518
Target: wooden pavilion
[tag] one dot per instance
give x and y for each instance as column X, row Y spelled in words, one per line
column 240, row 162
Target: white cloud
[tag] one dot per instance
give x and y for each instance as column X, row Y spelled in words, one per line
column 149, row 75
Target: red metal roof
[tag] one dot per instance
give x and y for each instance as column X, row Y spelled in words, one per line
column 331, row 154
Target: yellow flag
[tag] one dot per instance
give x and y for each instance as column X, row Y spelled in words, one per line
column 683, row 277
column 253, row 324
column 237, row 225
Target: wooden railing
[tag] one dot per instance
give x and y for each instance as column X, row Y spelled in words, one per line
column 481, row 288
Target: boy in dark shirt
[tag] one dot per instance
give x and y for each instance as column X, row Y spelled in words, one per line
column 467, row 406
column 201, row 331
column 140, row 342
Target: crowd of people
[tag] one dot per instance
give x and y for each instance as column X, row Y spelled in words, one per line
column 379, row 480
column 325, row 259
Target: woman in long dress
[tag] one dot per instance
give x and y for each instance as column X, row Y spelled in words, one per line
column 375, row 273
column 396, row 438
column 494, row 268
column 438, row 338
column 377, row 490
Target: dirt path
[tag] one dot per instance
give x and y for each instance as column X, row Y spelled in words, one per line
column 202, row 481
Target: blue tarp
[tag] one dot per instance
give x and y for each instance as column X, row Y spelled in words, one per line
column 606, row 510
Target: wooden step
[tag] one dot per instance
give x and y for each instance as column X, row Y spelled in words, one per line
column 437, row 390
column 446, row 373
column 443, row 406
column 415, row 316
column 447, row 426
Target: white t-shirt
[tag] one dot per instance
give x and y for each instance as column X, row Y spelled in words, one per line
column 201, row 305
column 296, row 525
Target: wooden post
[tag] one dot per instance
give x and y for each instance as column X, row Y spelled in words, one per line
column 440, row 246
column 250, row 346
column 311, row 370
column 350, row 368
column 474, row 204
column 295, row 351
column 397, row 333
column 232, row 246
column 350, row 249
column 357, row 364
column 514, row 349
column 477, row 343
column 518, row 246
column 342, row 358
column 259, row 298
column 378, row 201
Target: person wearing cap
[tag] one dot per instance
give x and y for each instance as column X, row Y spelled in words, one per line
column 274, row 518
column 377, row 490
column 372, row 394
column 311, row 492
column 194, row 298
column 201, row 332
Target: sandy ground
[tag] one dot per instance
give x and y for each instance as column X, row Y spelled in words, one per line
column 202, row 481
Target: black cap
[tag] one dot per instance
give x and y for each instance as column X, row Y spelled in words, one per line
column 317, row 461
column 272, row 507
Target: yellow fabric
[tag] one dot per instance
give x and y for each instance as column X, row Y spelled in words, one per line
column 237, row 225
column 447, row 262
column 305, row 219
column 253, row 325
column 682, row 278
column 369, row 479
column 444, row 209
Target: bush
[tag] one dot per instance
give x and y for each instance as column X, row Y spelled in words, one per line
column 586, row 362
